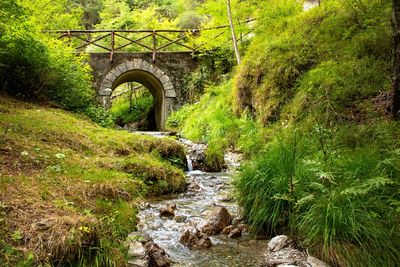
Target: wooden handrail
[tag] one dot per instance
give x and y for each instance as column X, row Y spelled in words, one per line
column 157, row 40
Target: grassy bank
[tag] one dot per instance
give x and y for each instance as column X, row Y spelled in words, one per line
column 308, row 106
column 68, row 188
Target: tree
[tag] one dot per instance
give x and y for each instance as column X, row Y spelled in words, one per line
column 396, row 60
column 234, row 40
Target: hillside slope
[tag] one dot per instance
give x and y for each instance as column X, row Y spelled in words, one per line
column 68, row 188
column 309, row 108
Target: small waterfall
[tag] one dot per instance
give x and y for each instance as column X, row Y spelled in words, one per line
column 189, row 163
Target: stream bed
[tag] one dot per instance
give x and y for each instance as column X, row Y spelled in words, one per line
column 205, row 191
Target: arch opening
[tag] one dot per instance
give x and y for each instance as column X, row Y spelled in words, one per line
column 148, row 75
column 133, row 79
column 132, row 105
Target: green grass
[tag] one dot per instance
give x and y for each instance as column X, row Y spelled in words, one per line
column 342, row 206
column 309, row 108
column 58, row 167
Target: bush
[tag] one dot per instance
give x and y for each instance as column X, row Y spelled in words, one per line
column 37, row 67
column 100, row 116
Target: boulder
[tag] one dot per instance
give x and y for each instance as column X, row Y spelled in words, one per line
column 282, row 252
column 227, row 230
column 158, row 256
column 144, row 252
column 219, row 219
column 179, row 218
column 137, row 255
column 235, row 233
column 168, row 211
column 278, row 243
column 194, row 239
column 136, row 249
column 286, row 256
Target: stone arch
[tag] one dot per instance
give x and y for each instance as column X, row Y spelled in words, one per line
column 150, row 76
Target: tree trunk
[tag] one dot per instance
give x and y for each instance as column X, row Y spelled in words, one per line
column 396, row 60
column 235, row 46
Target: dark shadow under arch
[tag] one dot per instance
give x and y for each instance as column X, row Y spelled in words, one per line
column 153, row 84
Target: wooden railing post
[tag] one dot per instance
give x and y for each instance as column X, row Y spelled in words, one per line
column 154, row 45
column 69, row 37
column 112, row 45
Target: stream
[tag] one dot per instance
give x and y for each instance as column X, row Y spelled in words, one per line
column 205, row 191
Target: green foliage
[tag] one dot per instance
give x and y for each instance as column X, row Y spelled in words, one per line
column 209, row 121
column 214, row 14
column 214, row 66
column 212, row 121
column 133, row 107
column 100, row 116
column 307, row 111
column 35, row 66
column 87, row 179
column 296, row 60
column 340, row 205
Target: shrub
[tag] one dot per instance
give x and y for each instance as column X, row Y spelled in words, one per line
column 37, row 67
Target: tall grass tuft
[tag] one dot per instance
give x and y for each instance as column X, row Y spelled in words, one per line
column 342, row 206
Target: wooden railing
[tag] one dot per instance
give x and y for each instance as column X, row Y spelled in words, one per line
column 154, row 41
column 112, row 41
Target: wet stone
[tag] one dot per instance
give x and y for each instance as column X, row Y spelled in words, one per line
column 219, row 219
column 282, row 252
column 227, row 230
column 168, row 211
column 158, row 256
column 194, row 239
column 235, row 233
column 278, row 242
column 180, row 218
column 137, row 255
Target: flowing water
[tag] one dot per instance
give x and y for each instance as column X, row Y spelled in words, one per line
column 205, row 191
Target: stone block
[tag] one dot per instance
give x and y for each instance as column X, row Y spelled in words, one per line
column 130, row 65
column 145, row 66
column 122, row 67
column 164, row 79
column 110, row 76
column 137, row 63
column 116, row 72
column 105, row 91
column 159, row 73
column 152, row 69
column 170, row 93
column 168, row 86
column 106, row 84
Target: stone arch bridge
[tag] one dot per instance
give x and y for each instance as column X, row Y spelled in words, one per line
column 163, row 78
column 164, row 59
